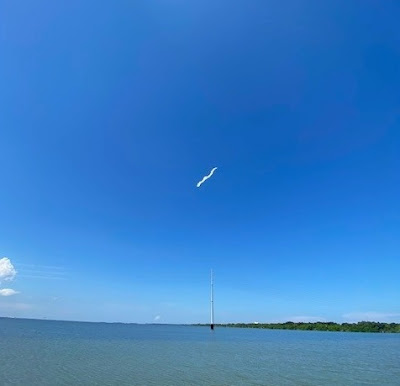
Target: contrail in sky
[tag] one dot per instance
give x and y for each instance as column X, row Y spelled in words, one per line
column 206, row 177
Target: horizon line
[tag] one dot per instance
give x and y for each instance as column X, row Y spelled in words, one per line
column 189, row 324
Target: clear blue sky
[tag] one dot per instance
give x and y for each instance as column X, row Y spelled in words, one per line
column 110, row 112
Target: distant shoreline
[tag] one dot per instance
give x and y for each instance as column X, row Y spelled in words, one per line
column 364, row 326
column 91, row 321
column 319, row 326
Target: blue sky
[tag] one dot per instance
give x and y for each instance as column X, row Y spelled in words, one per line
column 112, row 111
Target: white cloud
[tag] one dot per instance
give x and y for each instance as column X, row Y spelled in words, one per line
column 157, row 318
column 48, row 267
column 43, row 277
column 7, row 270
column 15, row 306
column 371, row 316
column 306, row 319
column 32, row 271
column 7, row 292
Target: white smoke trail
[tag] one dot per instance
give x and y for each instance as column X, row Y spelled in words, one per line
column 206, row 177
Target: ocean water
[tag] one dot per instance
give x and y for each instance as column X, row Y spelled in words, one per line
column 53, row 353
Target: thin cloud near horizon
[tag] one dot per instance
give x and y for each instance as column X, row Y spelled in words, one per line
column 371, row 316
column 8, row 292
column 34, row 271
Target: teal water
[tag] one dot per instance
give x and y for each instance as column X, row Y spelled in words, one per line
column 35, row 352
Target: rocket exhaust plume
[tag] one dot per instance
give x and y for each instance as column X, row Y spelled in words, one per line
column 206, row 177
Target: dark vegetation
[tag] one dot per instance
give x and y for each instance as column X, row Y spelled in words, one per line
column 320, row 326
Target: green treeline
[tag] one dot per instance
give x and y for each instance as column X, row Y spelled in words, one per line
column 322, row 326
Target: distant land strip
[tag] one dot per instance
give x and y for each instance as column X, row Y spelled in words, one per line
column 319, row 326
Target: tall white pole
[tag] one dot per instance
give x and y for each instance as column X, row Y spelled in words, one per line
column 212, row 302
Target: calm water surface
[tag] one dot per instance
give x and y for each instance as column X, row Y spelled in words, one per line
column 72, row 353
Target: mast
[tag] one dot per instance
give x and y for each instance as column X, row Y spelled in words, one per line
column 212, row 302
